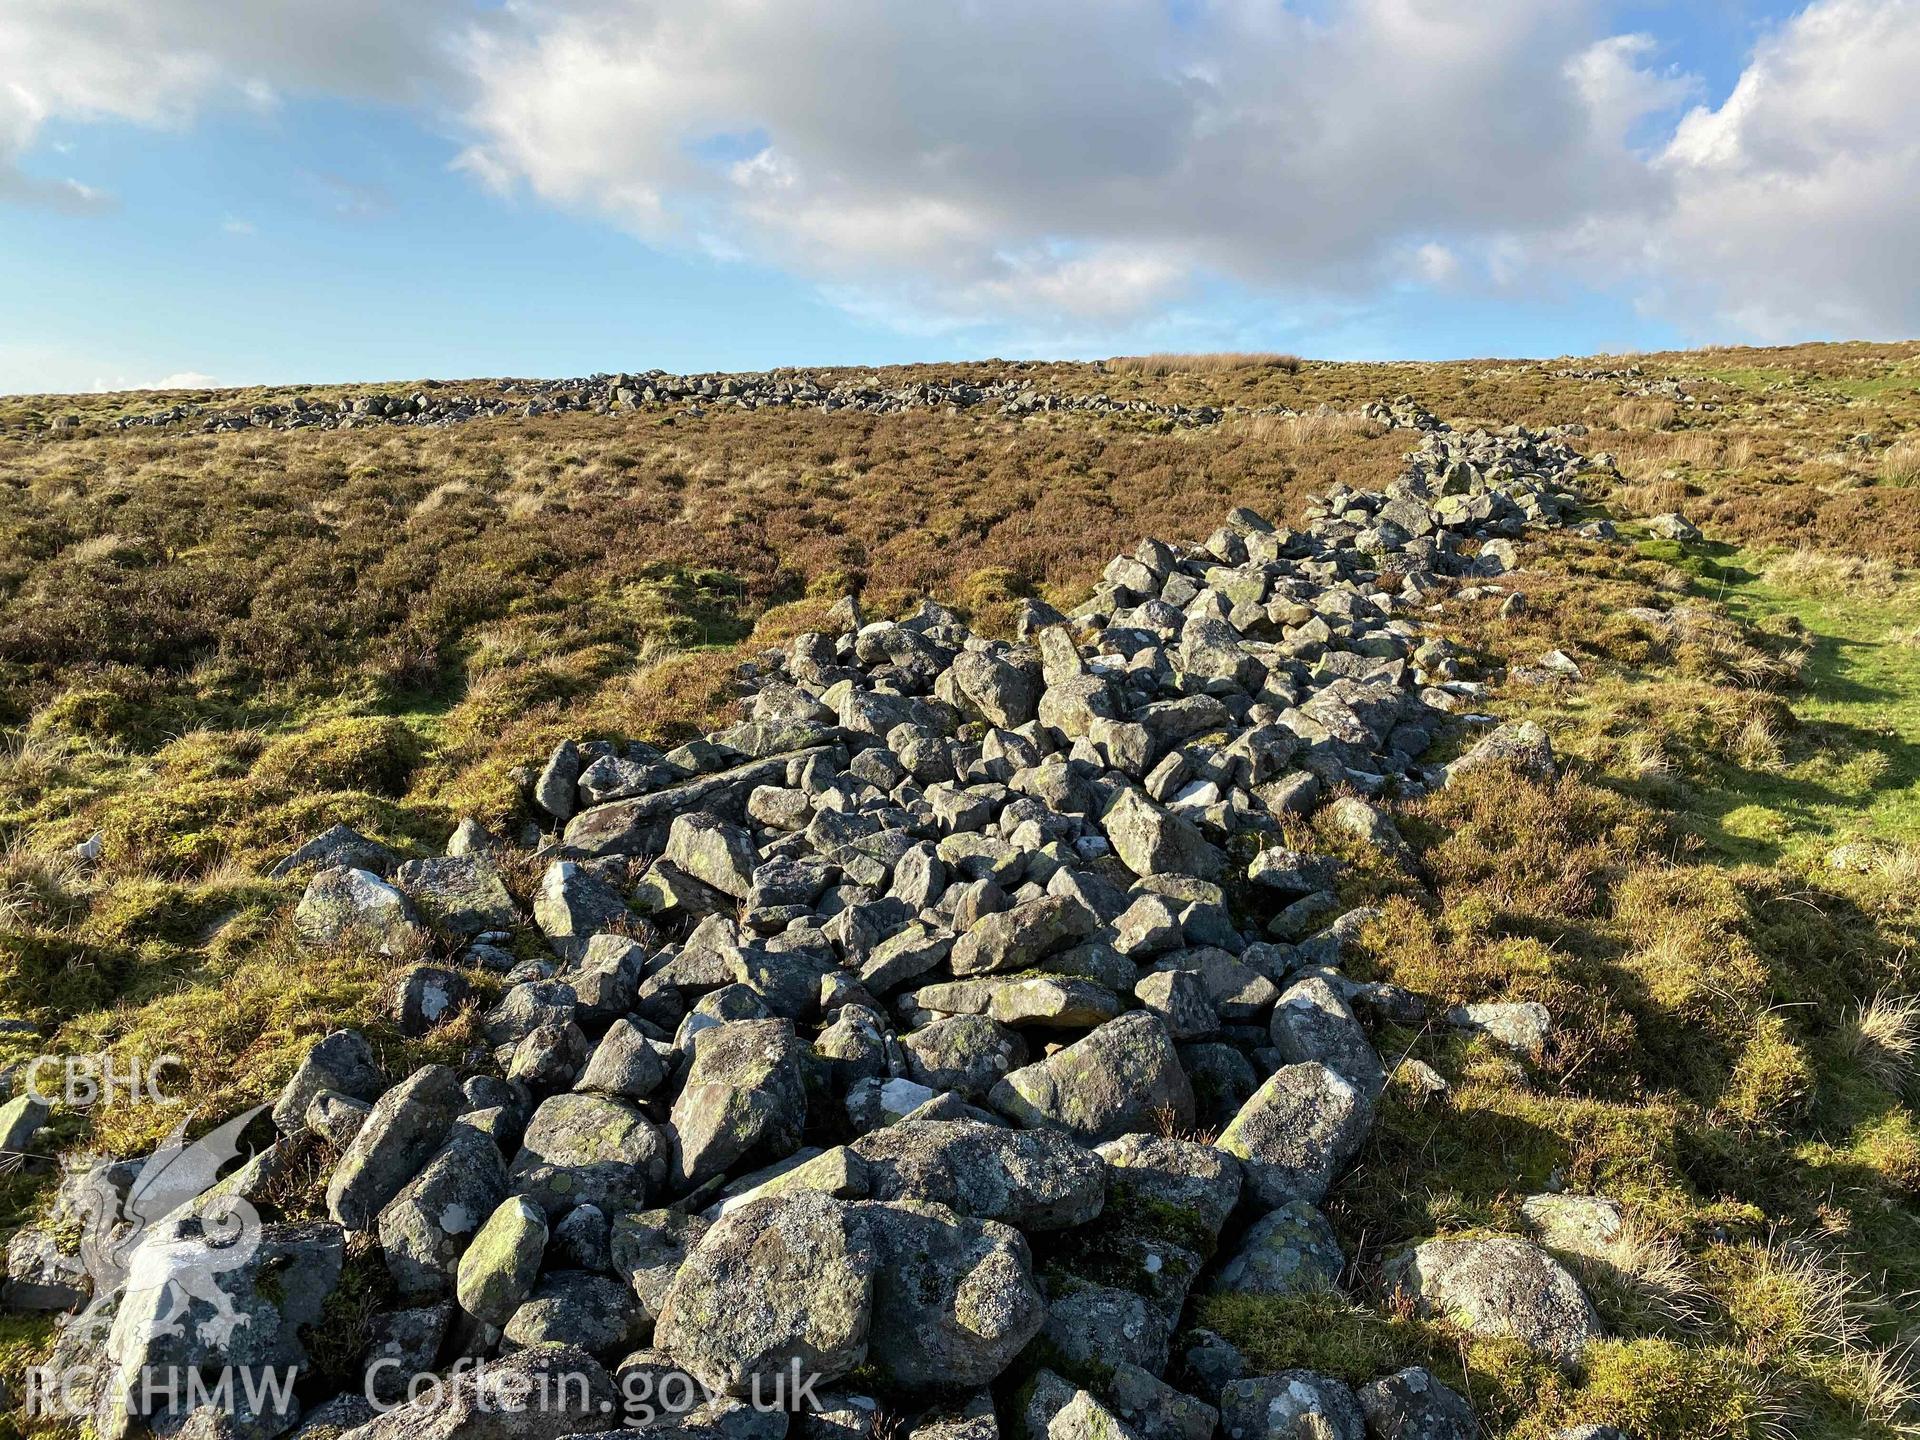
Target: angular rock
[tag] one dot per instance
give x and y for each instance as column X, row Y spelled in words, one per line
column 407, row 1125
column 954, row 1300
column 1496, row 1286
column 496, row 1273
column 589, row 1150
column 1412, row 1405
column 1298, row 1132
column 1033, row 1180
column 1123, row 1077
column 1288, row 1251
column 745, row 1095
column 778, row 1281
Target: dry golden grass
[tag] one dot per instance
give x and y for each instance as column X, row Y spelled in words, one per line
column 1817, row 572
column 1901, row 464
column 1317, row 427
column 1208, row 363
column 1883, row 1034
column 1644, row 414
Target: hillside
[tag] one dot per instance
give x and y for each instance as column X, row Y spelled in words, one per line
column 1629, row 998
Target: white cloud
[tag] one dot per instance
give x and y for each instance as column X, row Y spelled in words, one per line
column 159, row 62
column 181, row 380
column 1005, row 160
column 1090, row 167
column 1796, row 204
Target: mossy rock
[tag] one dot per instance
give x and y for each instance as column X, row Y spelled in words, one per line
column 375, row 753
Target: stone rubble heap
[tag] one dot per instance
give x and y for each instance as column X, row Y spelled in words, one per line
column 692, row 395
column 881, row 1033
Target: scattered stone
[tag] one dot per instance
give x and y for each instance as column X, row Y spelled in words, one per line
column 1499, row 1286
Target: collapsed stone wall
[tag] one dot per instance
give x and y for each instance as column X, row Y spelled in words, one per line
column 691, row 395
column 943, row 1027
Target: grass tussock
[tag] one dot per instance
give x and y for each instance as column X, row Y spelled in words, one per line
column 1819, row 572
column 1900, row 465
column 1318, row 427
column 1206, row 363
column 1641, row 414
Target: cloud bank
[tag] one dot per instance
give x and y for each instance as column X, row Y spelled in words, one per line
column 1099, row 164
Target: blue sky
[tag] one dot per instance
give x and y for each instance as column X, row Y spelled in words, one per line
column 563, row 186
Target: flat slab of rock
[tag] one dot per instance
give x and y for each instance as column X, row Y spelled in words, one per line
column 639, row 825
column 1033, row 1180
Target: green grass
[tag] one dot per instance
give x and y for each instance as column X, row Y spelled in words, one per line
column 1852, row 772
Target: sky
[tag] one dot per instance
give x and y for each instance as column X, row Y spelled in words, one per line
column 195, row 192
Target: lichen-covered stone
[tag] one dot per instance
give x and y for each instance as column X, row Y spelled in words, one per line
column 780, row 1280
column 1123, row 1077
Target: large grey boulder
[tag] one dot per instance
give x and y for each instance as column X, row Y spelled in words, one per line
column 1003, row 694
column 624, row 1063
column 498, row 1270
column 342, row 1062
column 596, row 1313
column 648, row 1247
column 1312, row 1021
column 1019, row 938
column 343, row 906
column 407, row 1125
column 1055, row 1409
column 1033, row 1180
column 589, row 1150
column 426, row 1227
column 1090, row 1329
column 1153, row 841
column 574, row 904
column 1298, row 1132
column 1179, row 1189
column 554, row 789
column 779, row 1281
column 197, row 1301
column 460, row 894
column 1155, row 1410
column 745, row 1097
column 20, row 1119
column 713, row 851
column 1288, row 1251
column 1412, row 1405
column 338, row 846
column 606, row 978
column 1499, row 1286
column 1123, row 1077
column 1291, row 1405
column 967, row 1054
column 954, row 1299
